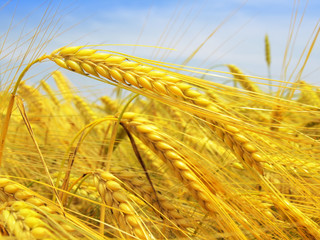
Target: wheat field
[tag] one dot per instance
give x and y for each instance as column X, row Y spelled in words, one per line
column 150, row 148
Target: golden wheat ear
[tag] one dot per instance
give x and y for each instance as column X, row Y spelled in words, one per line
column 114, row 196
column 134, row 75
column 26, row 215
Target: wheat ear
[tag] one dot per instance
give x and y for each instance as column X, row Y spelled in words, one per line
column 33, row 97
column 64, row 85
column 21, row 200
column 204, row 188
column 308, row 95
column 139, row 186
column 307, row 228
column 113, row 195
column 50, row 92
column 24, row 222
column 267, row 50
column 84, row 109
column 245, row 82
column 136, row 75
column 111, row 106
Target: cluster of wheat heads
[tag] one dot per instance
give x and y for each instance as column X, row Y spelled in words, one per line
column 183, row 158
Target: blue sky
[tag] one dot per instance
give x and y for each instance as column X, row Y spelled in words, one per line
column 239, row 41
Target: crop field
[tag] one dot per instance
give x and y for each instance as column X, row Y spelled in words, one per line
column 160, row 136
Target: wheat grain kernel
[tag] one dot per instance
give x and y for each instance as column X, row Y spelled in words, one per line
column 227, row 140
column 203, row 196
column 11, row 188
column 160, row 87
column 122, row 224
column 69, row 50
column 257, row 157
column 247, row 158
column 120, row 197
column 249, row 148
column 176, row 91
column 132, row 220
column 210, row 207
column 163, row 146
column 171, row 79
column 129, row 115
column 33, row 222
column 196, row 186
column 237, row 165
column 154, row 137
column 47, row 209
column 40, row 232
column 143, row 69
column 116, row 75
column 192, row 93
column 67, row 227
column 85, row 52
column 137, row 182
column 128, row 65
column 145, row 128
column 131, row 79
column 125, row 208
column 183, row 86
column 113, row 186
column 240, row 138
column 100, row 56
column 107, row 176
column 202, row 102
column 139, row 233
column 145, row 83
column 4, row 182
column 101, row 189
column 189, row 176
column 18, row 205
column 108, row 198
column 156, row 74
column 28, row 213
column 114, row 59
column 60, row 63
column 168, row 206
column 180, row 165
column 74, row 66
column 89, row 69
column 231, row 129
column 172, row 155
column 103, row 72
column 35, row 201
